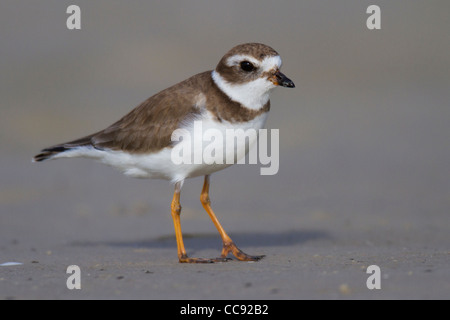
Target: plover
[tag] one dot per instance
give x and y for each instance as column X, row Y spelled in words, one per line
column 235, row 95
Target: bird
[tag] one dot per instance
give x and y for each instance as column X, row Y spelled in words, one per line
column 235, row 95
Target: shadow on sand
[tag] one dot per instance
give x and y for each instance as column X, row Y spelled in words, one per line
column 212, row 240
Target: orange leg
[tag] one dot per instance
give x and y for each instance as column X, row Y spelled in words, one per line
column 228, row 244
column 176, row 210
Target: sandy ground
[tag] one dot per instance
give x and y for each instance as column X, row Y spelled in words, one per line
column 119, row 232
column 364, row 154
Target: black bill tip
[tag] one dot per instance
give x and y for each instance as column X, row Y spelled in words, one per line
column 284, row 81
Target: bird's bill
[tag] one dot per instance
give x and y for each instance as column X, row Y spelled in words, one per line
column 279, row 79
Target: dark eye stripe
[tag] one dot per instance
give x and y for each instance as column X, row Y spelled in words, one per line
column 247, row 66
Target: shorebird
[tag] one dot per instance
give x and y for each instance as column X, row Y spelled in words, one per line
column 235, row 95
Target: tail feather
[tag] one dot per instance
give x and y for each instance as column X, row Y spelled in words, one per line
column 50, row 152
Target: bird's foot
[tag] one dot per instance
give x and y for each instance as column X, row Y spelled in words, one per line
column 227, row 249
column 186, row 259
column 238, row 253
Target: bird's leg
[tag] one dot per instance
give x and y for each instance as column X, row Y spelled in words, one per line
column 228, row 244
column 176, row 210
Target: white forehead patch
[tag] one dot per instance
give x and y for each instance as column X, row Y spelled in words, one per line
column 267, row 64
column 270, row 63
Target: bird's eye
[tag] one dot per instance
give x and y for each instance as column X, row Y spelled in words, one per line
column 247, row 66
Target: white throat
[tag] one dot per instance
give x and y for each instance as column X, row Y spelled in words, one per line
column 252, row 95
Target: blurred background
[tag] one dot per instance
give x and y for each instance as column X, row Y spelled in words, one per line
column 364, row 136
